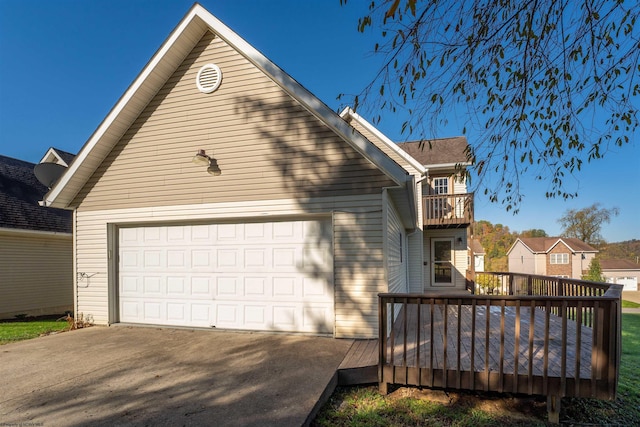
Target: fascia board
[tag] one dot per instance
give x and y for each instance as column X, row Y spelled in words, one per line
column 41, row 233
column 316, row 107
column 576, row 251
column 348, row 112
column 556, row 243
column 448, row 165
column 85, row 157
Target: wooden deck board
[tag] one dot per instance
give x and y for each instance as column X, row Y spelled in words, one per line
column 362, row 353
column 508, row 354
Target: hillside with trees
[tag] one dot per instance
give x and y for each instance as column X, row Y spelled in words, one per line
column 629, row 249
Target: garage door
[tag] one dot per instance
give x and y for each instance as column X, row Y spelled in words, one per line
column 274, row 276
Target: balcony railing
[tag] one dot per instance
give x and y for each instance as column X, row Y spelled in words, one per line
column 448, row 210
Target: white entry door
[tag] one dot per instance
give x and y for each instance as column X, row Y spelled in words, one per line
column 274, row 276
column 442, row 268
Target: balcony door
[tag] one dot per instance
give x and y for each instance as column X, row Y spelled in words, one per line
column 442, row 269
column 440, row 187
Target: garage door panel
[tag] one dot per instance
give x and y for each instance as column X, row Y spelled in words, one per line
column 177, row 286
column 258, row 276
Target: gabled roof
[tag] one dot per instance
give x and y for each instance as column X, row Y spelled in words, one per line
column 20, row 193
column 56, row 155
column 349, row 114
column 619, row 264
column 153, row 76
column 441, row 152
column 476, row 247
column 544, row 244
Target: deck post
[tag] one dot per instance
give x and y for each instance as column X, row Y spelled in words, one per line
column 382, row 341
column 553, row 408
column 383, row 388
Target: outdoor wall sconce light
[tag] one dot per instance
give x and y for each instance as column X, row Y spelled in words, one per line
column 459, row 240
column 202, row 159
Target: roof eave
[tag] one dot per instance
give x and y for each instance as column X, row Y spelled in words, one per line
column 171, row 53
column 162, row 64
column 348, row 112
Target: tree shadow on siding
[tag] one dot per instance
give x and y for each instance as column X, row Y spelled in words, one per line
column 313, row 163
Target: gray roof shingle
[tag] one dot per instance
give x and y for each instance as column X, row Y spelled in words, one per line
column 544, row 244
column 438, row 151
column 20, row 193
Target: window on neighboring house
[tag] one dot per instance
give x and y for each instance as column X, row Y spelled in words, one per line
column 559, row 258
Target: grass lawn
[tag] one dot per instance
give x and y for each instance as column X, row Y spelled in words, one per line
column 630, row 304
column 12, row 331
column 406, row 406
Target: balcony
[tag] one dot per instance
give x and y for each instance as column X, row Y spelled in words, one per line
column 447, row 210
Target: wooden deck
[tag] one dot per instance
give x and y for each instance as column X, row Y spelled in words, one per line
column 360, row 364
column 534, row 335
column 516, row 337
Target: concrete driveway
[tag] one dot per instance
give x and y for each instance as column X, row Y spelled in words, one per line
column 151, row 376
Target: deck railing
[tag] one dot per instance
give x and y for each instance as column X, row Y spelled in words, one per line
column 540, row 336
column 447, row 209
column 526, row 284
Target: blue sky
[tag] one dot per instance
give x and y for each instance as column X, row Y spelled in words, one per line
column 65, row 63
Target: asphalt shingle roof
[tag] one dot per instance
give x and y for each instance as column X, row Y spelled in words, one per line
column 437, row 151
column 543, row 244
column 20, row 193
column 618, row 264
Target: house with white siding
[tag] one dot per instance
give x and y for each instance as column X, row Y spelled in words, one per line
column 36, row 269
column 622, row 272
column 438, row 246
column 220, row 193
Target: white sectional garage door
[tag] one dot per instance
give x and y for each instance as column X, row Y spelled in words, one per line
column 274, row 276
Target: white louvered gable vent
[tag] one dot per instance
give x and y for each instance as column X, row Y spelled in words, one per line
column 208, row 78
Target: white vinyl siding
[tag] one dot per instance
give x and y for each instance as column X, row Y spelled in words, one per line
column 396, row 256
column 416, row 267
column 266, row 145
column 459, row 185
column 358, row 268
column 36, row 273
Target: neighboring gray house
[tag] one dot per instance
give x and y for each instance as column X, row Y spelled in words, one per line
column 622, row 272
column 36, row 271
column 550, row 256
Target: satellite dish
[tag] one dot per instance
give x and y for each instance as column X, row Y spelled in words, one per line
column 48, row 173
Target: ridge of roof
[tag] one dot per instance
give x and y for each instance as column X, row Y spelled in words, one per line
column 545, row 244
column 156, row 72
